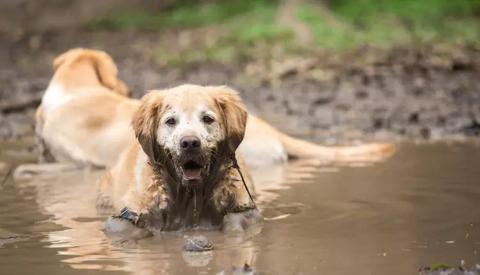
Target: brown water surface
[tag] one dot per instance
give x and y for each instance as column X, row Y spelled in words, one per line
column 418, row 208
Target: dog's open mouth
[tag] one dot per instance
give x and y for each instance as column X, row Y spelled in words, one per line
column 192, row 172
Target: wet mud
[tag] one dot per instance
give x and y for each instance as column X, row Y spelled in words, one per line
column 422, row 93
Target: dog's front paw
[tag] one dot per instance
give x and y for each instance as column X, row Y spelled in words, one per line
column 241, row 221
column 104, row 202
column 116, row 226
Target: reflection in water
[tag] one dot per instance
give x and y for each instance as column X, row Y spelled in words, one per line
column 420, row 207
column 70, row 201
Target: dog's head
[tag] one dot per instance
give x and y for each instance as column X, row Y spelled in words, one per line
column 191, row 129
column 103, row 65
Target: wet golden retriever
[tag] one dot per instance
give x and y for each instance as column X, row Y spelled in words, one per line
column 181, row 171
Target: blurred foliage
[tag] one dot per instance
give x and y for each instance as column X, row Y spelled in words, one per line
column 238, row 24
column 332, row 24
column 185, row 14
column 393, row 22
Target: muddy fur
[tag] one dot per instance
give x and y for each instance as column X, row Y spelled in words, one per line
column 188, row 207
column 150, row 177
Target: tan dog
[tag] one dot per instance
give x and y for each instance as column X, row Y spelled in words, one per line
column 85, row 115
column 180, row 172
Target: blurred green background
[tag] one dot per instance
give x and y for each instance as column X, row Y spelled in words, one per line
column 296, row 25
column 227, row 31
column 333, row 23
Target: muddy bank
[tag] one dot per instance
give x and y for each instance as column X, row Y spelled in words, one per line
column 424, row 93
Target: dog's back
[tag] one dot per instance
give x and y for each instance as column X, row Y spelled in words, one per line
column 80, row 71
column 84, row 109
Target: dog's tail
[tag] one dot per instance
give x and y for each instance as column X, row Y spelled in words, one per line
column 374, row 152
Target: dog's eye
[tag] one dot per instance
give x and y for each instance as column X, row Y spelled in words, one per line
column 171, row 121
column 208, row 119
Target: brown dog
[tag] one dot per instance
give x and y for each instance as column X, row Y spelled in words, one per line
column 181, row 171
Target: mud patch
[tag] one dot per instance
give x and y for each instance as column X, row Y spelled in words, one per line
column 422, row 93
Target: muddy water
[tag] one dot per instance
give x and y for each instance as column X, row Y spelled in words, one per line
column 420, row 207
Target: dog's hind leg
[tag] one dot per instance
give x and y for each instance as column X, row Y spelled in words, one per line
column 26, row 171
column 45, row 155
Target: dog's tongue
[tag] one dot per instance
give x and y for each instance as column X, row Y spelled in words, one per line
column 192, row 174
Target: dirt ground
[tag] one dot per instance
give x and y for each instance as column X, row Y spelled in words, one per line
column 421, row 93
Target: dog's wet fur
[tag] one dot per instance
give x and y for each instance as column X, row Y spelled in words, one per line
column 183, row 174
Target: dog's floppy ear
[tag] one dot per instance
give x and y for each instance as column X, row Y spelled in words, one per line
column 107, row 73
column 59, row 60
column 122, row 88
column 103, row 64
column 234, row 115
column 145, row 124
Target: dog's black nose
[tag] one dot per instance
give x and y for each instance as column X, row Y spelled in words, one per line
column 190, row 143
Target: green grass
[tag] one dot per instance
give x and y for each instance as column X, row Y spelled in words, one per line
column 183, row 16
column 239, row 24
column 337, row 25
column 389, row 23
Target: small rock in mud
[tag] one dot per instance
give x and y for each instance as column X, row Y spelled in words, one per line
column 197, row 244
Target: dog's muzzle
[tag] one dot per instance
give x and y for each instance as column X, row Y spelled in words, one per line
column 192, row 164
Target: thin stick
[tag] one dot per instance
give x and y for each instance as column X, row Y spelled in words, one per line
column 235, row 165
column 7, row 175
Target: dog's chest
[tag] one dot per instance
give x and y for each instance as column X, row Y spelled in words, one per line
column 186, row 208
